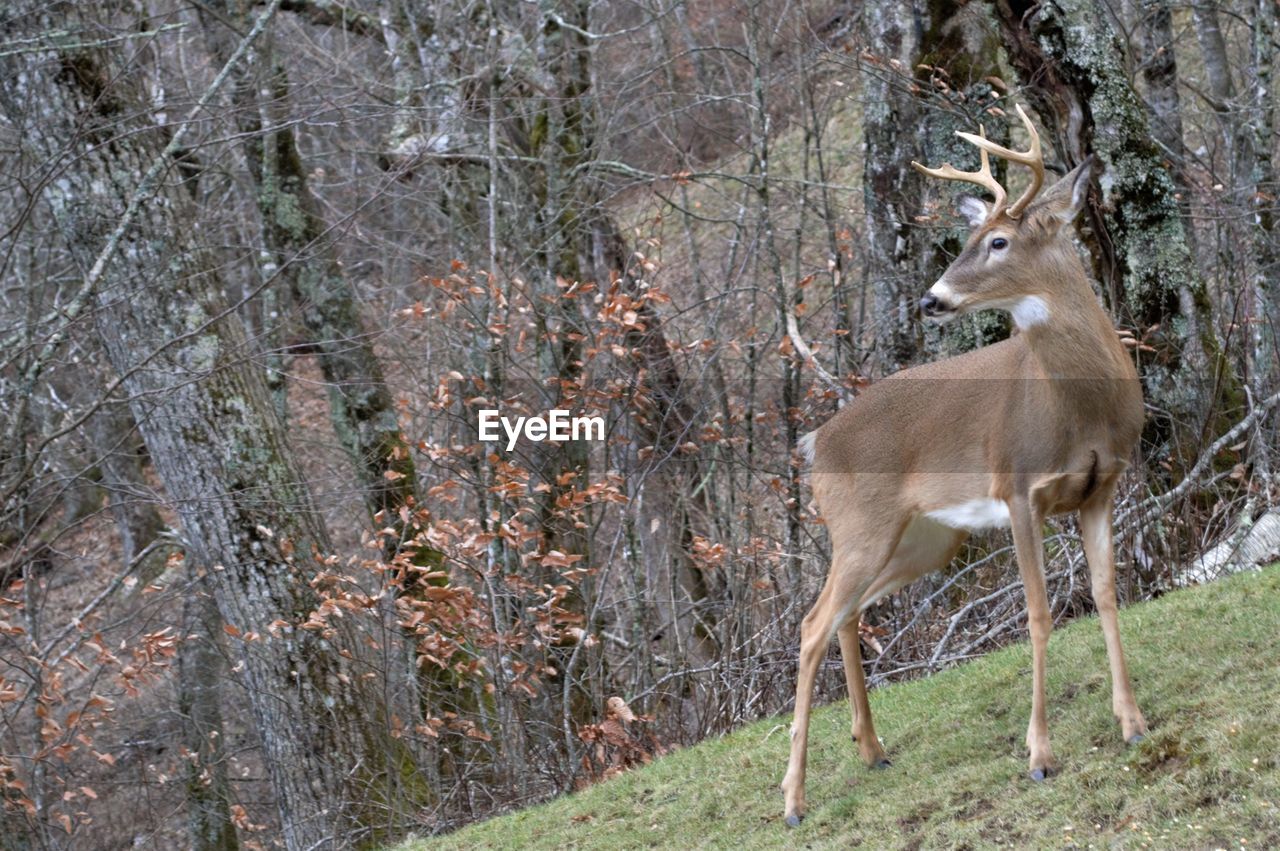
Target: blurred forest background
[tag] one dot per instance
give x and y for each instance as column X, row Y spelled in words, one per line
column 261, row 263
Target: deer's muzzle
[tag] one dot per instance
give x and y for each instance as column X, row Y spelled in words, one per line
column 938, row 304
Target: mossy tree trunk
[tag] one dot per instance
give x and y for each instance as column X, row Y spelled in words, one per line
column 361, row 407
column 1071, row 61
column 563, row 142
column 362, row 412
column 207, row 421
column 559, row 142
column 551, row 123
column 928, row 72
column 892, row 193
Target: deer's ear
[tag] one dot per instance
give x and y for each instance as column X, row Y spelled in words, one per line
column 1066, row 198
column 974, row 210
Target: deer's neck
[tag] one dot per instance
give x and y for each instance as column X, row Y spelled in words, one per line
column 1068, row 333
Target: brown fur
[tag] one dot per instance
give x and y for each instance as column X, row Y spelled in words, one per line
column 1044, row 422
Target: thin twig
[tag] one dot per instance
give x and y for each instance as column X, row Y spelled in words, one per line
column 1154, row 506
column 142, row 194
column 102, row 597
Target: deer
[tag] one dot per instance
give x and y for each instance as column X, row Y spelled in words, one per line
column 1037, row 425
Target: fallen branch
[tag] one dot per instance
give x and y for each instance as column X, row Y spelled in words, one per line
column 1255, row 542
column 1154, row 506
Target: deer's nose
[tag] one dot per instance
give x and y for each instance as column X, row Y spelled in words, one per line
column 930, row 305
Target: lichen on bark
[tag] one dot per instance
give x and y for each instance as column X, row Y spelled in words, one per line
column 205, row 416
column 1070, row 58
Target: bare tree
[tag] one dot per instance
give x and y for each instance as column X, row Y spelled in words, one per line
column 1069, row 56
column 202, row 405
column 301, row 247
column 263, row 270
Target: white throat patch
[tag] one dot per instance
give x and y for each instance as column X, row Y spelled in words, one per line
column 1028, row 311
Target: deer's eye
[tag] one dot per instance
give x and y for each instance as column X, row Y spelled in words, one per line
column 999, row 243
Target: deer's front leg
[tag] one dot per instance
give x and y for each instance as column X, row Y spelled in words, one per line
column 1095, row 528
column 1029, row 545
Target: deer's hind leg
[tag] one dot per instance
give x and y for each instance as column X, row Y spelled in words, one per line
column 925, row 546
column 857, row 560
column 864, row 731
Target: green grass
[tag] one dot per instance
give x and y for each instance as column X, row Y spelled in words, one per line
column 1206, row 668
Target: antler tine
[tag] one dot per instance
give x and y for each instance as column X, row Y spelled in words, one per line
column 1032, row 158
column 982, row 177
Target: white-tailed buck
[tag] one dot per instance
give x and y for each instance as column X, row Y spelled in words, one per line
column 1036, row 425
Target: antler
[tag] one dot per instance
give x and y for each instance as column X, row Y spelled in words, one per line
column 1032, row 158
column 982, row 177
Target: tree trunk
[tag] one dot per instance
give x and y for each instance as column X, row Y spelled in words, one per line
column 1160, row 73
column 958, row 70
column 429, row 120
column 1247, row 148
column 1213, row 49
column 1261, row 202
column 200, row 672
column 560, row 141
column 1070, row 59
column 927, row 72
column 119, row 454
column 892, row 193
column 565, row 213
column 675, row 490
column 361, row 408
column 208, row 424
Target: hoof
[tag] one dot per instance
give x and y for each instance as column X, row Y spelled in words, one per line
column 794, row 821
column 883, row 764
column 1039, row 774
column 1136, row 738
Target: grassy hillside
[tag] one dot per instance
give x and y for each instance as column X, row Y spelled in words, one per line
column 1206, row 667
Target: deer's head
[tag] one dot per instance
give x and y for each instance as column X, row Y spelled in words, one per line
column 1014, row 252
